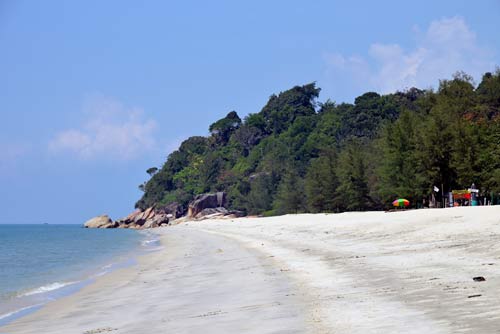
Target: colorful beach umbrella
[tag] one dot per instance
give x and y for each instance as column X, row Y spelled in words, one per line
column 401, row 202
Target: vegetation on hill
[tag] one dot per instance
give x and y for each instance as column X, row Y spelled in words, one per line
column 300, row 155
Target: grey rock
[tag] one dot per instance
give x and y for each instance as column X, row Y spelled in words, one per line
column 174, row 209
column 99, row 222
column 205, row 201
column 212, row 211
column 150, row 224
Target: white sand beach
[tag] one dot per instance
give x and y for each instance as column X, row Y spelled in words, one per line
column 371, row 272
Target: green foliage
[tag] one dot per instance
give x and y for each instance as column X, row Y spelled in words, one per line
column 398, row 168
column 189, row 178
column 353, row 188
column 321, row 183
column 282, row 110
column 298, row 155
column 152, row 171
column 290, row 194
column 223, row 128
column 261, row 194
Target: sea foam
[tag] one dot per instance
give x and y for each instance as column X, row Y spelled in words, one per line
column 47, row 288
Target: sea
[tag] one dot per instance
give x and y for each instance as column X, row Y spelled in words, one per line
column 43, row 262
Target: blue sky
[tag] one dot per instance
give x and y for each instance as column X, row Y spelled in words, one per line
column 92, row 93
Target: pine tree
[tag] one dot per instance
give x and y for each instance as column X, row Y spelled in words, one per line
column 353, row 191
column 290, row 197
column 321, row 183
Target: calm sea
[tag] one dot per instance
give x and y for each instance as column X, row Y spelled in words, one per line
column 39, row 263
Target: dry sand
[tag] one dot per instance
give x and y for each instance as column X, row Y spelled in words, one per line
column 373, row 272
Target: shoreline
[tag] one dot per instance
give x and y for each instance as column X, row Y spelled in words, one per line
column 30, row 300
column 195, row 278
column 398, row 272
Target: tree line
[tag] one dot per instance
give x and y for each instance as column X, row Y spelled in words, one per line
column 301, row 155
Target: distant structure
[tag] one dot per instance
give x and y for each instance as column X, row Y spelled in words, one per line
column 464, row 197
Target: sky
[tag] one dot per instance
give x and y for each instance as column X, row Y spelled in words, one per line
column 92, row 93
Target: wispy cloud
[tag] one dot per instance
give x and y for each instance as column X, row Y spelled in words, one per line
column 448, row 45
column 111, row 131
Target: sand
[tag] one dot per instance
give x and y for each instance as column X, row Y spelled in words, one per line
column 372, row 272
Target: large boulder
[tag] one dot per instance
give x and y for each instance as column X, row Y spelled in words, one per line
column 206, row 201
column 221, row 212
column 211, row 212
column 148, row 218
column 141, row 218
column 157, row 220
column 174, row 209
column 100, row 222
column 150, row 224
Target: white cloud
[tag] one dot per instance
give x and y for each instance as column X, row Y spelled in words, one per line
column 111, row 131
column 447, row 46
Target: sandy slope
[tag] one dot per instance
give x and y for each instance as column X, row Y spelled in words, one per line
column 375, row 272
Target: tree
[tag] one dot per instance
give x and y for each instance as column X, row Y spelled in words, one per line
column 246, row 137
column 261, row 195
column 353, row 188
column 321, row 183
column 152, row 171
column 488, row 93
column 442, row 130
column 223, row 128
column 400, row 174
column 290, row 195
column 282, row 110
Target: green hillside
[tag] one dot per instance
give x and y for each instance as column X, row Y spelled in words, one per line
column 301, row 155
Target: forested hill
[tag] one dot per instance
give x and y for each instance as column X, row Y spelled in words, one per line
column 301, row 155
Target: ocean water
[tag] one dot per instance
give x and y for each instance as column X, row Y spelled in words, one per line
column 39, row 263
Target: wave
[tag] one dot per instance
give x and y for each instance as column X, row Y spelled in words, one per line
column 47, row 288
column 10, row 314
column 151, row 241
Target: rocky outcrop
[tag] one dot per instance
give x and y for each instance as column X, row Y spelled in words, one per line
column 206, row 201
column 100, row 222
column 148, row 218
column 203, row 206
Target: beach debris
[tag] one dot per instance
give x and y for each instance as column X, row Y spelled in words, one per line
column 479, row 279
column 100, row 330
column 209, row 314
column 474, row 296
